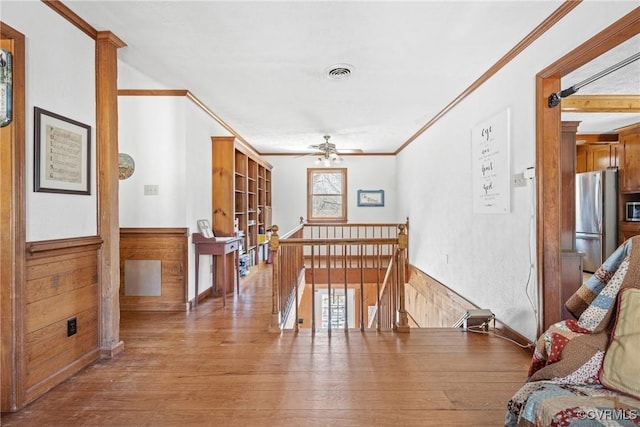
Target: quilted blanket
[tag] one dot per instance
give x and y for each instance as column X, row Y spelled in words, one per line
column 563, row 387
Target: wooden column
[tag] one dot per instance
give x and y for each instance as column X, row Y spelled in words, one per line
column 108, row 187
column 548, row 204
column 568, row 185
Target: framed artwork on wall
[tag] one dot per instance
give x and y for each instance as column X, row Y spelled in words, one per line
column 62, row 154
column 370, row 197
column 491, row 168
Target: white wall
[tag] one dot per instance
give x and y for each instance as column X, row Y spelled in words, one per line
column 289, row 188
column 152, row 131
column 486, row 258
column 169, row 138
column 60, row 77
column 200, row 127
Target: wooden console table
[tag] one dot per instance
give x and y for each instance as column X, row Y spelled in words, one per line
column 217, row 246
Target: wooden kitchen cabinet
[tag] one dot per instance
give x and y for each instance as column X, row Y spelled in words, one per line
column 630, row 159
column 627, row 230
column 595, row 157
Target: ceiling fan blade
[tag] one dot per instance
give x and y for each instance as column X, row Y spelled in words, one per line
column 349, row 150
column 309, row 154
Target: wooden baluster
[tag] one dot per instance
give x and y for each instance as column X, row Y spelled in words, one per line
column 274, row 246
column 402, row 324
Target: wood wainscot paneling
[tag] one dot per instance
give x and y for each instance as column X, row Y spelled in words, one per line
column 431, row 304
column 167, row 246
column 61, row 304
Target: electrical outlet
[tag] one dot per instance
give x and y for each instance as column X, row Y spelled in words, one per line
column 519, row 180
column 72, row 326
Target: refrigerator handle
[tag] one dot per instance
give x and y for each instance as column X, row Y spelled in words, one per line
column 599, row 201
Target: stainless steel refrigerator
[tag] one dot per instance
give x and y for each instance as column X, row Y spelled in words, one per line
column 596, row 216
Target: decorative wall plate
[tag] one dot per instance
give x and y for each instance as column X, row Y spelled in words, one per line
column 127, row 165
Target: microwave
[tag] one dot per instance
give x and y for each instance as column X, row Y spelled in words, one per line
column 633, row 211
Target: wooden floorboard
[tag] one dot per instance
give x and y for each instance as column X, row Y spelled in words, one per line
column 218, row 366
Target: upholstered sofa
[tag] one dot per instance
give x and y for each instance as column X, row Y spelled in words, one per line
column 586, row 371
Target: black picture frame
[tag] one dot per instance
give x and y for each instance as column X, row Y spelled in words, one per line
column 62, row 154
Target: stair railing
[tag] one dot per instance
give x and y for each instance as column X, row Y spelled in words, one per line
column 358, row 272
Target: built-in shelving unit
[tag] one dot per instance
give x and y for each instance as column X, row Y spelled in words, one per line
column 241, row 185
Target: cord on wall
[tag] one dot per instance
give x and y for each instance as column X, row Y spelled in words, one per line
column 530, row 174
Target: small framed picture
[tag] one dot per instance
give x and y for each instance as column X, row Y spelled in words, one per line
column 205, row 228
column 370, row 197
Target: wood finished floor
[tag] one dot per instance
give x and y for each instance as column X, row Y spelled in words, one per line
column 219, row 366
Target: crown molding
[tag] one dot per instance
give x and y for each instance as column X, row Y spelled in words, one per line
column 566, row 7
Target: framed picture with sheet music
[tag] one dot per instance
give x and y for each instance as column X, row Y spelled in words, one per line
column 62, row 154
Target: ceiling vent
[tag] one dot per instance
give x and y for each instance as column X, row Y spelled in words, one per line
column 339, row 71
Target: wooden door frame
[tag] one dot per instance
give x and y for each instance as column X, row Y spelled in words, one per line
column 548, row 137
column 13, row 232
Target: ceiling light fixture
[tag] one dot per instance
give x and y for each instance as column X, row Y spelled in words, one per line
column 329, row 154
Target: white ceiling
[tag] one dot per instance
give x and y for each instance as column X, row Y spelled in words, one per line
column 260, row 66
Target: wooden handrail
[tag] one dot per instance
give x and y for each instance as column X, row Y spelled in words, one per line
column 339, row 258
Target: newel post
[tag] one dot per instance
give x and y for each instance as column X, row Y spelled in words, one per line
column 402, row 320
column 274, row 246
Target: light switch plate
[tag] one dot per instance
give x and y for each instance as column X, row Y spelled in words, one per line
column 151, row 190
column 519, row 180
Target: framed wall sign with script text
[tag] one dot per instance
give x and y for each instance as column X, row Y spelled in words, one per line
column 491, row 168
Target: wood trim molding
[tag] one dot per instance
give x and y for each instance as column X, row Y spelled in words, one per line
column 313, row 154
column 601, row 104
column 152, row 92
column 620, row 31
column 179, row 231
column 596, row 138
column 199, row 103
column 222, row 123
column 13, row 232
column 72, row 17
column 566, row 7
column 67, row 245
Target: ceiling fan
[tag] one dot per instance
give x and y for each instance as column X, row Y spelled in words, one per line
column 328, row 153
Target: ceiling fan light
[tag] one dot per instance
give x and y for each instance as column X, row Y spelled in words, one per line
column 318, row 161
column 327, row 162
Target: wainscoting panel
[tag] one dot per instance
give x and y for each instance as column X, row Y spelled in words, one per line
column 431, row 304
column 166, row 246
column 61, row 304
